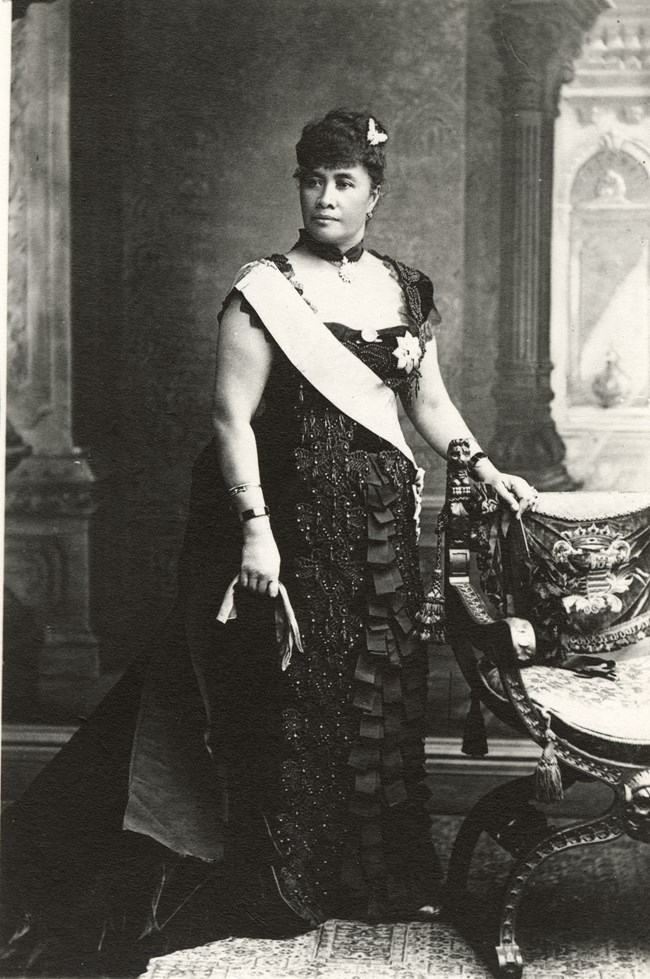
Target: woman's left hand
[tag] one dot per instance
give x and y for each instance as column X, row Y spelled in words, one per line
column 514, row 490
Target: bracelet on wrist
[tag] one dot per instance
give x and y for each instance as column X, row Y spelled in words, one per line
column 476, row 458
column 234, row 490
column 257, row 511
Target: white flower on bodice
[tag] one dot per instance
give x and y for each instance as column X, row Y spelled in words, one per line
column 407, row 352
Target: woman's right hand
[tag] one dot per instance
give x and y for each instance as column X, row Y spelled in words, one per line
column 260, row 563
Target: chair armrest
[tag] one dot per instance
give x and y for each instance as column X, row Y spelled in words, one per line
column 506, row 642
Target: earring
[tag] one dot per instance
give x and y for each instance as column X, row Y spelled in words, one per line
column 369, row 216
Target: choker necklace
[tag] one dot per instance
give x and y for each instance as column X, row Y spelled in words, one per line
column 332, row 254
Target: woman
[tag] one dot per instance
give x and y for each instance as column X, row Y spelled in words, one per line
column 291, row 791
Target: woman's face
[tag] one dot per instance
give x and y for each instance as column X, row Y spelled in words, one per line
column 335, row 204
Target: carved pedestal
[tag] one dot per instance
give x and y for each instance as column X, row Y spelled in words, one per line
column 537, row 41
column 49, row 493
column 49, row 505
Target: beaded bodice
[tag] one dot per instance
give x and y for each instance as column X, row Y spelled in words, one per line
column 393, row 353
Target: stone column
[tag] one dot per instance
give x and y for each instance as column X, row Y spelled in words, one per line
column 48, row 495
column 538, row 41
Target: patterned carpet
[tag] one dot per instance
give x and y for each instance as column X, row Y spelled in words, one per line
column 586, row 916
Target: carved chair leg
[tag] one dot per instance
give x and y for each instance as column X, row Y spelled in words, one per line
column 494, row 813
column 461, row 860
column 601, row 830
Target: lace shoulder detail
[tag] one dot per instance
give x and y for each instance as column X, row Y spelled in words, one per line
column 282, row 263
column 427, row 330
column 245, row 269
column 233, row 295
column 418, row 292
column 277, row 261
column 245, row 307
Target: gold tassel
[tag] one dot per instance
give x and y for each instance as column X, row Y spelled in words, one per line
column 548, row 778
column 431, row 616
column 474, row 737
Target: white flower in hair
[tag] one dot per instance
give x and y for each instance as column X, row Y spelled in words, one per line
column 375, row 135
column 407, row 352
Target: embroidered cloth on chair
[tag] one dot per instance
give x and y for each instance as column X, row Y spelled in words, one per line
column 581, row 571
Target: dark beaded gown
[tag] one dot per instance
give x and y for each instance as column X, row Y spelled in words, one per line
column 259, row 800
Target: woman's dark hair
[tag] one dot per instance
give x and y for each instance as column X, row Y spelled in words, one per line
column 341, row 139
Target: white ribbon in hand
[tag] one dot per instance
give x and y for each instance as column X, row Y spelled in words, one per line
column 286, row 624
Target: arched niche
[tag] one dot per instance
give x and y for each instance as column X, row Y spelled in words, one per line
column 609, row 282
column 600, row 261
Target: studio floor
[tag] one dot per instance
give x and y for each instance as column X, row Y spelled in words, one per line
column 585, row 916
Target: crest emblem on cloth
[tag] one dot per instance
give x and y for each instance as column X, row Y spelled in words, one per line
column 593, row 558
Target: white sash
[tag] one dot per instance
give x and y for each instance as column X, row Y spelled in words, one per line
column 333, row 370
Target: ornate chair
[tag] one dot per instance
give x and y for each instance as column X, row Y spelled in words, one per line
column 530, row 608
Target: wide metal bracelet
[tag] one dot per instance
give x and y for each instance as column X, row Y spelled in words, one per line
column 257, row 511
column 474, row 459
